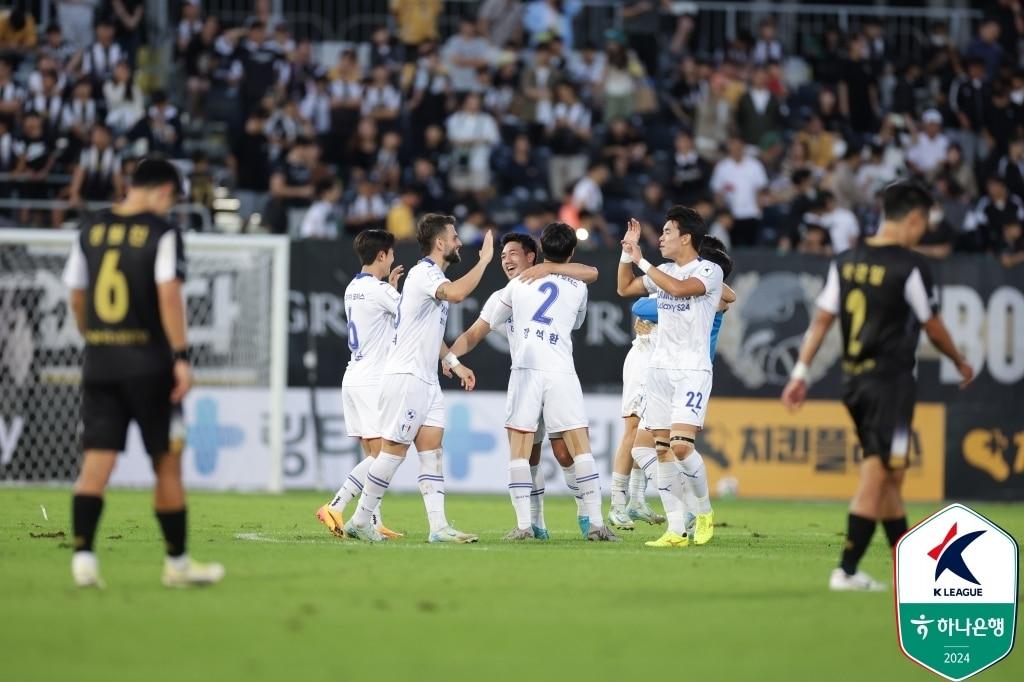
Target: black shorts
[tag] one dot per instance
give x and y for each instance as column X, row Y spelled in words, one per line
column 882, row 409
column 109, row 407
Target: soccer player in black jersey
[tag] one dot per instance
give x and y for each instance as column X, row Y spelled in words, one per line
column 125, row 273
column 883, row 295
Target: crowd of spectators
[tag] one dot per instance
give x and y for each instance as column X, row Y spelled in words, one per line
column 509, row 120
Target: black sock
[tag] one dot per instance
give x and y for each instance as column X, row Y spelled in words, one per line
column 85, row 516
column 894, row 528
column 858, row 536
column 173, row 526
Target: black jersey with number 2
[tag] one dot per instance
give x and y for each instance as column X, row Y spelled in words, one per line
column 882, row 295
column 119, row 260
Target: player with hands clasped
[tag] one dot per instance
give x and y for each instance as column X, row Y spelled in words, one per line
column 678, row 385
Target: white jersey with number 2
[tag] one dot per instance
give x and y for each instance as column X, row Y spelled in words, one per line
column 419, row 324
column 370, row 309
column 544, row 314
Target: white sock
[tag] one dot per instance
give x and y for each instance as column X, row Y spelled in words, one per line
column 637, row 488
column 697, row 475
column 519, row 487
column 537, row 497
column 647, row 460
column 589, row 482
column 670, row 489
column 689, row 498
column 431, row 480
column 620, row 483
column 569, row 473
column 378, row 478
column 352, row 486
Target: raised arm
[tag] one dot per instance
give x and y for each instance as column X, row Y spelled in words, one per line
column 680, row 288
column 460, row 289
column 627, row 284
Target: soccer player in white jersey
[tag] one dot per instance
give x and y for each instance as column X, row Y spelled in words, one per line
column 679, row 378
column 371, row 304
column 544, row 383
column 411, row 404
column 627, row 471
column 518, row 257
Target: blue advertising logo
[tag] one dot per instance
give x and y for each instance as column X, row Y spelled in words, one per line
column 207, row 436
column 461, row 442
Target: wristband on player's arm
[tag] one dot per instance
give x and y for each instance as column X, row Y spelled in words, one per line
column 181, row 355
column 452, row 360
column 625, row 258
column 801, row 372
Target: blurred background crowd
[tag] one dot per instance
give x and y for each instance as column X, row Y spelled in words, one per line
column 510, row 114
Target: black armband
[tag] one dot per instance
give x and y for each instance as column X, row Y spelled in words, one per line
column 180, row 355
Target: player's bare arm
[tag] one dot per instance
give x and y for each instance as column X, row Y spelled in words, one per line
column 449, row 361
column 627, row 284
column 584, row 273
column 469, row 339
column 78, row 307
column 460, row 289
column 937, row 333
column 680, row 288
column 795, row 393
column 728, row 298
column 172, row 317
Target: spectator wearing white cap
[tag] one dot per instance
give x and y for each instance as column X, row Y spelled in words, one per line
column 928, row 151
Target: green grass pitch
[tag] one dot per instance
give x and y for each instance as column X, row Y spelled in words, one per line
column 298, row 604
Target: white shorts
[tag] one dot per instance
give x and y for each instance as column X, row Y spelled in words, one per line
column 555, row 397
column 406, row 404
column 361, row 407
column 634, row 377
column 541, row 433
column 676, row 396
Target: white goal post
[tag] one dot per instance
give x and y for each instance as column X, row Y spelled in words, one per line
column 237, row 304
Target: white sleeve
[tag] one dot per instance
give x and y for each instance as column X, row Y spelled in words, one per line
column 491, row 305
column 76, row 271
column 581, row 314
column 916, row 294
column 166, row 266
column 387, row 297
column 498, row 308
column 652, row 288
column 828, row 299
column 435, row 278
column 710, row 274
column 761, row 181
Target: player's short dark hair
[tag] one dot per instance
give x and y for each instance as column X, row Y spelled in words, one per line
column 371, row 242
column 153, row 173
column 528, row 243
column 430, row 227
column 689, row 222
column 900, row 199
column 557, row 242
column 712, row 249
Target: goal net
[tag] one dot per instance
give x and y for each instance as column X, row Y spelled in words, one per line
column 236, row 296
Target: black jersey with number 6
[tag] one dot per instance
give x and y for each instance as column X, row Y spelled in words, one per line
column 119, row 260
column 882, row 295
